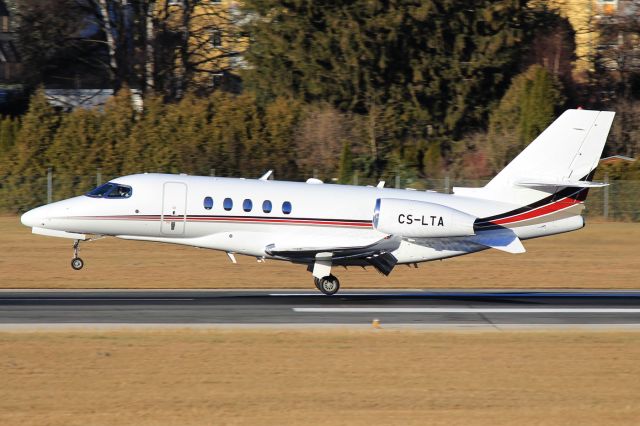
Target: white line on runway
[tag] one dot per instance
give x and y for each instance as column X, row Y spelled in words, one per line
column 93, row 299
column 470, row 310
column 323, row 295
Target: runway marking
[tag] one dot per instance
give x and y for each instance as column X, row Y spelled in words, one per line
column 470, row 310
column 93, row 299
column 431, row 294
column 323, row 295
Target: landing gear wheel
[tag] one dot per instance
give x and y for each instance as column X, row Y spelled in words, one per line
column 77, row 263
column 316, row 281
column 329, row 285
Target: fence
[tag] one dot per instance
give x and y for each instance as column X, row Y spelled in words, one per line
column 620, row 201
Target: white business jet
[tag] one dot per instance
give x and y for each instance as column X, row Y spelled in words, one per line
column 541, row 192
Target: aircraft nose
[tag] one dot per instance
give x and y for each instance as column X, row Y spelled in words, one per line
column 33, row 218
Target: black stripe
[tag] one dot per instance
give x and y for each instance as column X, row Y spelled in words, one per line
column 579, row 194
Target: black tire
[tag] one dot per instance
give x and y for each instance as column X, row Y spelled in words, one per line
column 316, row 281
column 77, row 263
column 329, row 285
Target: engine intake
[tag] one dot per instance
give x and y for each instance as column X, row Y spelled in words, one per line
column 419, row 219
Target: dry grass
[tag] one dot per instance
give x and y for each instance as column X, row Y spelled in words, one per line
column 319, row 377
column 603, row 255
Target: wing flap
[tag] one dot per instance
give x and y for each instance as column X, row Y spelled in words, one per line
column 318, row 244
column 376, row 253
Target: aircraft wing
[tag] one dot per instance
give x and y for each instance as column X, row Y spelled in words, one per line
column 376, row 253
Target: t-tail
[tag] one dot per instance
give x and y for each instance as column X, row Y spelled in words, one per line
column 549, row 180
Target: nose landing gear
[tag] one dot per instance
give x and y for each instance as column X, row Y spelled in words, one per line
column 76, row 262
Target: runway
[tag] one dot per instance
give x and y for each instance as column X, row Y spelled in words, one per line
column 419, row 308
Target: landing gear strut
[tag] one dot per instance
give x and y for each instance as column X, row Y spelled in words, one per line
column 322, row 278
column 76, row 262
column 329, row 285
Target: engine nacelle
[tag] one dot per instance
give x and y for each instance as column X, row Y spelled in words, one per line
column 418, row 219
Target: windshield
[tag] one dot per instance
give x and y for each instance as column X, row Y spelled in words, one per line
column 111, row 190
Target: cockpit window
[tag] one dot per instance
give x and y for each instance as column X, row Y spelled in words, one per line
column 100, row 191
column 120, row 191
column 111, row 190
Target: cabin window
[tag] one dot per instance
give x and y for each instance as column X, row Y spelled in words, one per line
column 286, row 207
column 266, row 206
column 227, row 204
column 208, row 203
column 111, row 190
column 247, row 205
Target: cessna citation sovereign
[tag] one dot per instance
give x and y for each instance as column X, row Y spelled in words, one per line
column 540, row 193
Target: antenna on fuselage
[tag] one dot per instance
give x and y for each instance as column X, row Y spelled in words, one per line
column 267, row 175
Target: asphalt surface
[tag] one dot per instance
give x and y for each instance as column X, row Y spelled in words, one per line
column 461, row 308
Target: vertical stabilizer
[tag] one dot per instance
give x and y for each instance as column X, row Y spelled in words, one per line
column 568, row 150
column 564, row 154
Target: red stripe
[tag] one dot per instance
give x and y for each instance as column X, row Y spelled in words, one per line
column 232, row 220
column 540, row 211
column 296, row 221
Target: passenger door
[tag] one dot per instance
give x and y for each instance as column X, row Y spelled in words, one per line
column 174, row 208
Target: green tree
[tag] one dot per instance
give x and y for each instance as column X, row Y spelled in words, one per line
column 529, row 106
column 280, row 121
column 71, row 154
column 191, row 120
column 150, row 145
column 28, row 167
column 112, row 138
column 346, row 164
column 9, row 127
column 415, row 63
column 235, row 133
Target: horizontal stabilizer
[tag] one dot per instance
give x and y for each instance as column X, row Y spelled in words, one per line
column 550, row 183
column 501, row 239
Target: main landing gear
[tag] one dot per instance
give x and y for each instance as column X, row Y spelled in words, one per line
column 322, row 278
column 329, row 285
column 76, row 262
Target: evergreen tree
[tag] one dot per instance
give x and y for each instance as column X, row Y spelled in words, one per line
column 281, row 118
column 28, row 167
column 149, row 146
column 235, row 132
column 112, row 138
column 436, row 62
column 529, row 106
column 8, row 131
column 346, row 164
column 191, row 120
column 71, row 154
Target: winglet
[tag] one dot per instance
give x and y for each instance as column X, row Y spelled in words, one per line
column 500, row 239
column 267, row 175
